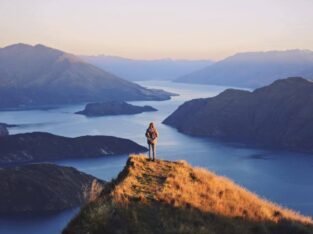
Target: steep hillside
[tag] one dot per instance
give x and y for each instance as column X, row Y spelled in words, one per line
column 38, row 75
column 279, row 115
column 43, row 187
column 173, row 197
column 254, row 69
column 42, row 146
column 160, row 69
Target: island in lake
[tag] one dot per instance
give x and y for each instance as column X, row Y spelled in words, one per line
column 113, row 108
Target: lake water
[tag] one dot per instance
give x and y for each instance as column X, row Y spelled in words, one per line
column 282, row 177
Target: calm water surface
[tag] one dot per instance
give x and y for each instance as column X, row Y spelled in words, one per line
column 283, row 177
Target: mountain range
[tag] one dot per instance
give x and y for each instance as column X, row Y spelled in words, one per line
column 135, row 70
column 254, row 69
column 39, row 75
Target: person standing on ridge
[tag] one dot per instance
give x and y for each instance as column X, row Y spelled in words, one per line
column 152, row 137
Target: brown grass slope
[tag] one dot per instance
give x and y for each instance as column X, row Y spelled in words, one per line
column 173, row 197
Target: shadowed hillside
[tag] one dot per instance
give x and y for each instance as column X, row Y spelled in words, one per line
column 277, row 116
column 173, row 197
column 43, row 188
column 42, row 146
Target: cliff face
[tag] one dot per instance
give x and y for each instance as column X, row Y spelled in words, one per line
column 173, row 197
column 279, row 115
column 113, row 108
column 42, row 187
column 40, row 146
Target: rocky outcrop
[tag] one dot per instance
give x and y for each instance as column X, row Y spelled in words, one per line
column 40, row 146
column 113, row 108
column 43, row 187
column 36, row 76
column 279, row 115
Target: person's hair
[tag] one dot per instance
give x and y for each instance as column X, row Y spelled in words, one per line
column 151, row 125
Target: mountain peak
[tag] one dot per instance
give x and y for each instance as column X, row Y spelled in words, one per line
column 173, row 197
column 17, row 46
column 292, row 80
column 281, row 86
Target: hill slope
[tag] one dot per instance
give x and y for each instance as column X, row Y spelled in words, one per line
column 254, row 69
column 42, row 187
column 38, row 75
column 132, row 69
column 279, row 115
column 173, row 197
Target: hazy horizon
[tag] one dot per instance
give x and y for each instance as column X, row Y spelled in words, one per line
column 145, row 29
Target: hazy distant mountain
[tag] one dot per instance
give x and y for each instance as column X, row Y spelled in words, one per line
column 161, row 69
column 278, row 115
column 38, row 75
column 254, row 69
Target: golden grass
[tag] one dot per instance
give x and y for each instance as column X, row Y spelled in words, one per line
column 180, row 185
column 164, row 197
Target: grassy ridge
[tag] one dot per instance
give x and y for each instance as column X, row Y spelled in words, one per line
column 173, row 197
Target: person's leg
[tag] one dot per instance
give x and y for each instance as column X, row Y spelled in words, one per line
column 149, row 151
column 154, row 151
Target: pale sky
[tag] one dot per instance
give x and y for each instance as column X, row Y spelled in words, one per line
column 149, row 29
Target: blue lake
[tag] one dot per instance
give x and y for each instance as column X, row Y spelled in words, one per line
column 282, row 177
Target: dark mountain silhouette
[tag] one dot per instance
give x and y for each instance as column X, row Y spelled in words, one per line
column 43, row 187
column 254, row 69
column 173, row 197
column 279, row 115
column 3, row 130
column 40, row 146
column 133, row 69
column 113, row 108
column 38, row 75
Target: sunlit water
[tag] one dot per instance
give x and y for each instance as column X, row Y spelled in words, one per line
column 283, row 177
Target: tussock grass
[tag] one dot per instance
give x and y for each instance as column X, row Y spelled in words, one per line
column 173, row 197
